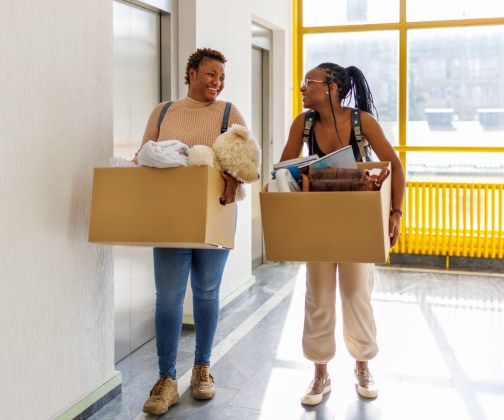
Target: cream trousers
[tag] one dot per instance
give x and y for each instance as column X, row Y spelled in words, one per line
column 359, row 330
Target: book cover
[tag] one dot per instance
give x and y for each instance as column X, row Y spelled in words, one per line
column 295, row 162
column 336, row 173
column 342, row 158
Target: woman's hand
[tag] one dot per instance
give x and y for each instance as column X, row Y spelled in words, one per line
column 230, row 187
column 394, row 225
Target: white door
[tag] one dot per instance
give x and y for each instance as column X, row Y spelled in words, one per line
column 261, row 131
column 137, row 87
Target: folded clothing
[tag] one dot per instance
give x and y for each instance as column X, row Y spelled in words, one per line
column 163, row 154
column 119, row 161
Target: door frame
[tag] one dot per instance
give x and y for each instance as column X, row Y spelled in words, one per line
column 262, row 41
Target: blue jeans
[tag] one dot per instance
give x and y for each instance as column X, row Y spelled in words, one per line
column 171, row 270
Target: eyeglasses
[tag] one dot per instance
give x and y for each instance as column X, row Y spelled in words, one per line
column 306, row 82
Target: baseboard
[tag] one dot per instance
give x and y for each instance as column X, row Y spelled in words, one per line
column 188, row 320
column 237, row 292
column 88, row 406
column 442, row 261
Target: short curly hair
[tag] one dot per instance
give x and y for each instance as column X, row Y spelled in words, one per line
column 198, row 56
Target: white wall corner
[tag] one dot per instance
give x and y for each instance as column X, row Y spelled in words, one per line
column 187, row 32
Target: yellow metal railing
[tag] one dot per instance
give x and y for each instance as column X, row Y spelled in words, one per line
column 453, row 219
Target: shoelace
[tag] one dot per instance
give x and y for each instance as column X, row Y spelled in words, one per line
column 205, row 375
column 318, row 383
column 364, row 376
column 159, row 387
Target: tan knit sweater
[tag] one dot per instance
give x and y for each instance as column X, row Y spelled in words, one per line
column 190, row 121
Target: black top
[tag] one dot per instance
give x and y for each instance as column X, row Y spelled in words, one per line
column 313, row 147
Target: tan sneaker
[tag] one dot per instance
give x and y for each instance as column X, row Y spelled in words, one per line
column 202, row 383
column 317, row 389
column 162, row 396
column 366, row 386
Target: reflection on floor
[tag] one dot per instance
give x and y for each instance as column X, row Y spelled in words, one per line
column 441, row 337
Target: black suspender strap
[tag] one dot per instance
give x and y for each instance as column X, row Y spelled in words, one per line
column 225, row 118
column 358, row 133
column 308, row 123
column 162, row 114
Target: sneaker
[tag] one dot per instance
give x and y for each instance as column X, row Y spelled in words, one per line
column 162, row 396
column 202, row 383
column 366, row 386
column 317, row 389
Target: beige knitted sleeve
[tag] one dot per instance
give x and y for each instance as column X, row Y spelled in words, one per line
column 235, row 117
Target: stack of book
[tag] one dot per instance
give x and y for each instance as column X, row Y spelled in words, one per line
column 293, row 165
column 295, row 162
column 342, row 179
column 342, row 158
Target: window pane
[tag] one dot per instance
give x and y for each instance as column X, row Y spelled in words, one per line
column 376, row 54
column 349, row 12
column 456, row 87
column 455, row 167
column 418, row 10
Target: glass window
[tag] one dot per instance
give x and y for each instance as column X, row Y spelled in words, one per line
column 349, row 12
column 480, row 167
column 456, row 87
column 429, row 10
column 376, row 54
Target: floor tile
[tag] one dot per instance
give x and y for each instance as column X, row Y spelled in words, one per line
column 441, row 339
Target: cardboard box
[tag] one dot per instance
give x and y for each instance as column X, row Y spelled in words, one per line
column 328, row 226
column 173, row 207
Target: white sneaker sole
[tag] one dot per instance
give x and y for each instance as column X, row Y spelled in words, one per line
column 366, row 393
column 157, row 411
column 315, row 399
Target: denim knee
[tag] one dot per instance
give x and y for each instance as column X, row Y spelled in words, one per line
column 171, row 271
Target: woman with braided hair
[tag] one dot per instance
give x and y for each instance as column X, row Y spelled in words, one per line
column 325, row 89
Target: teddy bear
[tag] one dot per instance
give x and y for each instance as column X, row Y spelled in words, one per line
column 235, row 151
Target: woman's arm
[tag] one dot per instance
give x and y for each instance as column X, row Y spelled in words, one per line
column 235, row 117
column 294, row 144
column 373, row 132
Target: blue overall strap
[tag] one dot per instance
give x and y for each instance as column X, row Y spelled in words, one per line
column 225, row 119
column 358, row 134
column 162, row 114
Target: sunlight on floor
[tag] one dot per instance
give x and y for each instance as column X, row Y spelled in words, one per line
column 432, row 348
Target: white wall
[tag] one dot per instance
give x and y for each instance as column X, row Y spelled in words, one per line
column 56, row 297
column 225, row 25
column 235, row 43
column 277, row 16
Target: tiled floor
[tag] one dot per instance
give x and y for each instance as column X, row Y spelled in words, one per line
column 441, row 337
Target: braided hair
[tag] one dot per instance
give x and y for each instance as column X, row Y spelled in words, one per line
column 351, row 82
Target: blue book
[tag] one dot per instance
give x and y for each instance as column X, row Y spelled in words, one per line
column 294, row 170
column 342, row 158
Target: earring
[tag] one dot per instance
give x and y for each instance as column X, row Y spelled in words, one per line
column 327, row 92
